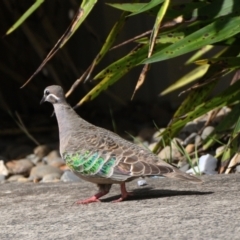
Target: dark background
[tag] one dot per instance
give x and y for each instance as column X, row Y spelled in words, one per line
column 23, row 50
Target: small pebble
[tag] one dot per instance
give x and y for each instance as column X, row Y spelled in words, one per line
column 22, row 166
column 3, row 169
column 33, row 158
column 156, row 137
column 198, row 140
column 51, row 156
column 15, row 178
column 190, row 139
column 40, row 171
column 190, row 128
column 207, row 131
column 142, row 182
column 151, row 146
column 52, row 177
column 190, row 148
column 41, row 151
column 219, row 150
column 23, row 180
column 56, row 162
column 238, row 169
column 169, row 153
column 221, row 114
column 156, row 177
column 69, row 176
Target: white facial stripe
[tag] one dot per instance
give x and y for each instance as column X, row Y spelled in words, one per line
column 52, row 96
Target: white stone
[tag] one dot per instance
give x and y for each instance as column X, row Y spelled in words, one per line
column 207, row 164
column 3, row 169
column 142, row 182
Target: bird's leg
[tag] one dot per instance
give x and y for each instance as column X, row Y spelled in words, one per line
column 103, row 190
column 124, row 193
column 94, row 198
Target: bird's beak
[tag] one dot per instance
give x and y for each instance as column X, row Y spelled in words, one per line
column 43, row 100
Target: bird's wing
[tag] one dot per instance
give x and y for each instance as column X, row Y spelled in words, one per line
column 121, row 159
column 101, row 153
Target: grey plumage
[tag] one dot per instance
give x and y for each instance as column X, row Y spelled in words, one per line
column 100, row 156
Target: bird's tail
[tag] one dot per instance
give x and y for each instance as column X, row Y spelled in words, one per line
column 177, row 174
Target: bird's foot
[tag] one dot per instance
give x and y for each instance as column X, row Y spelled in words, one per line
column 92, row 199
column 125, row 194
column 123, row 197
column 88, row 200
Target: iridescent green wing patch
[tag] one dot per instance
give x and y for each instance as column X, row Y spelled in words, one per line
column 87, row 163
column 94, row 168
column 76, row 160
column 90, row 161
column 107, row 167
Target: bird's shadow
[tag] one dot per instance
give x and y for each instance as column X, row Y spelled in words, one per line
column 150, row 193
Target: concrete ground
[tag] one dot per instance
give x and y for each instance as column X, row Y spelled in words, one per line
column 164, row 209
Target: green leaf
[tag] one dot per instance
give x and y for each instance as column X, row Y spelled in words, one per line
column 152, row 43
column 224, row 62
column 199, row 53
column 85, row 8
column 232, row 146
column 218, row 8
column 164, row 38
column 82, row 13
column 202, row 10
column 230, row 149
column 193, row 75
column 186, row 79
column 217, row 31
column 116, row 70
column 128, row 7
column 25, row 16
column 137, row 8
column 224, row 125
column 229, row 96
column 148, row 6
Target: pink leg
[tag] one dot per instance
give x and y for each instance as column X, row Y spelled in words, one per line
column 92, row 199
column 124, row 192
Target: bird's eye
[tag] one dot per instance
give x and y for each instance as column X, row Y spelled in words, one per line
column 47, row 92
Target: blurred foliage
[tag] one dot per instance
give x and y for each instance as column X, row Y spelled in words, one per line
column 180, row 27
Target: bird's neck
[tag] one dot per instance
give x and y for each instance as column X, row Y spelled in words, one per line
column 68, row 121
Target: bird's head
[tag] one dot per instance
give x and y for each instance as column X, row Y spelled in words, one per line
column 53, row 94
